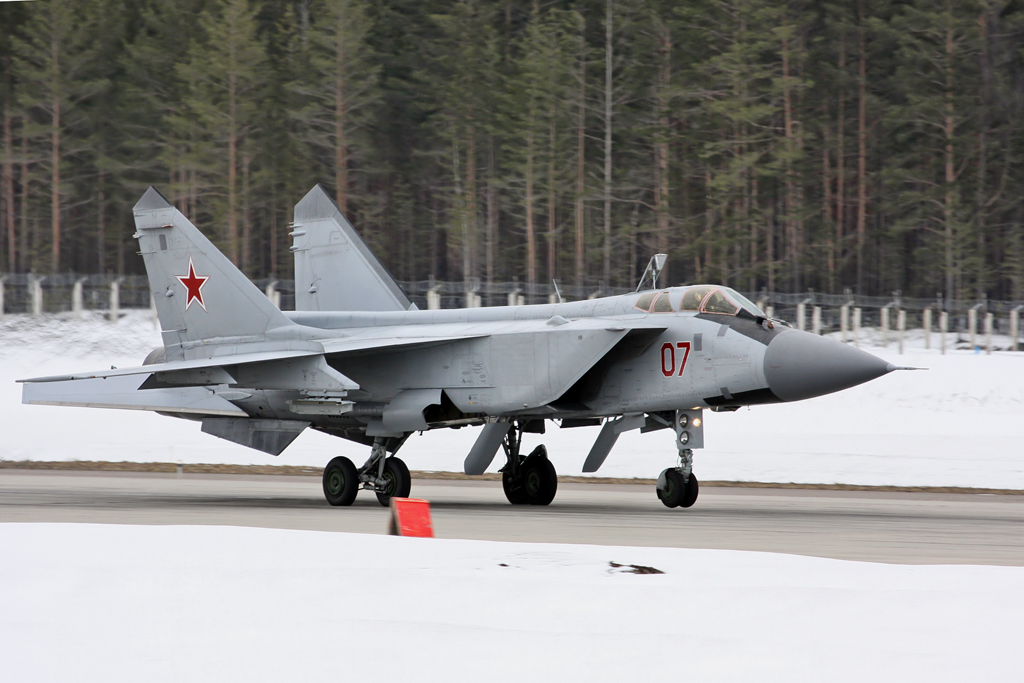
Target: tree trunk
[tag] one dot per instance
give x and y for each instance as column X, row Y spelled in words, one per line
column 469, row 247
column 789, row 209
column 950, row 176
column 983, row 124
column 608, row 93
column 26, row 260
column 246, row 216
column 826, row 203
column 661, row 146
column 8, row 192
column 340, row 110
column 233, row 195
column 273, row 231
column 492, row 210
column 101, row 223
column 233, row 141
column 862, row 149
column 551, row 200
column 55, row 180
column 580, row 170
column 840, row 211
column 531, row 237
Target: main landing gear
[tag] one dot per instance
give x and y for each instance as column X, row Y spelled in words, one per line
column 529, row 480
column 386, row 476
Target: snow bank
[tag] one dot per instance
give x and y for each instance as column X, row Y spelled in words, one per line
column 131, row 603
column 961, row 423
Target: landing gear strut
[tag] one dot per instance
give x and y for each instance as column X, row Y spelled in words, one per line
column 527, row 481
column 386, row 476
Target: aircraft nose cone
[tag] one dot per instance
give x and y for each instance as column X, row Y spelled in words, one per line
column 801, row 365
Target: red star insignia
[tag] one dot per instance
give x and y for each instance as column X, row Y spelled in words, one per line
column 193, row 285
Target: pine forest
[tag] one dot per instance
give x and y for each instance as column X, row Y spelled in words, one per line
column 780, row 145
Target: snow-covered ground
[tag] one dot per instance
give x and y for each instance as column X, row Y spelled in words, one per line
column 961, row 423
column 117, row 603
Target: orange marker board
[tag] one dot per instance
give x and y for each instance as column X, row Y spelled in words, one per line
column 410, row 517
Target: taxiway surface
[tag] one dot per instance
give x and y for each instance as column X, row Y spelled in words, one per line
column 914, row 528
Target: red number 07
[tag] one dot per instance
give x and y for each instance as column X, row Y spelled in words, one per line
column 668, row 358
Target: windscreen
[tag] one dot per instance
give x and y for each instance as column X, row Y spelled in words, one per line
column 744, row 303
column 719, row 303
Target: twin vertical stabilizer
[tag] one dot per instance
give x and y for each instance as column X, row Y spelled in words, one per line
column 200, row 295
column 334, row 270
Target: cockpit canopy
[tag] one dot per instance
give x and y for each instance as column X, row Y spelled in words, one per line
column 713, row 299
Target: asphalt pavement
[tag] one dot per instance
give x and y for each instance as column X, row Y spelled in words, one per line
column 913, row 528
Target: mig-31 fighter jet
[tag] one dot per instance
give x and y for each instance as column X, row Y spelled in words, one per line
column 357, row 360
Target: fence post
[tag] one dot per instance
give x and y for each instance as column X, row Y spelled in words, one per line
column 856, row 326
column 36, row 286
column 514, row 298
column 801, row 316
column 844, row 321
column 1014, row 327
column 972, row 325
column 433, row 299
column 943, row 326
column 115, row 301
column 472, row 299
column 273, row 294
column 76, row 298
column 988, row 333
column 816, row 320
column 769, row 311
column 926, row 324
column 901, row 324
column 885, row 325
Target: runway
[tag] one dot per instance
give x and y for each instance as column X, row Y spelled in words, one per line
column 912, row 528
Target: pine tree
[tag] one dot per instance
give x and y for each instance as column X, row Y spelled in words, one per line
column 224, row 76
column 466, row 64
column 341, row 87
column 50, row 65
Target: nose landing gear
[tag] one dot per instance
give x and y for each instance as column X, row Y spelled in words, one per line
column 678, row 486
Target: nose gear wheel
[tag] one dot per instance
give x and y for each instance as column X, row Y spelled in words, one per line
column 674, row 492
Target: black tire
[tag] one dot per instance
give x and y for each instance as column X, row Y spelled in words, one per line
column 398, row 481
column 341, row 481
column 692, row 488
column 673, row 492
column 540, row 481
column 513, row 489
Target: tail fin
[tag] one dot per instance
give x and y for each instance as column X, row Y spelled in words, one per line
column 334, row 269
column 200, row 295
